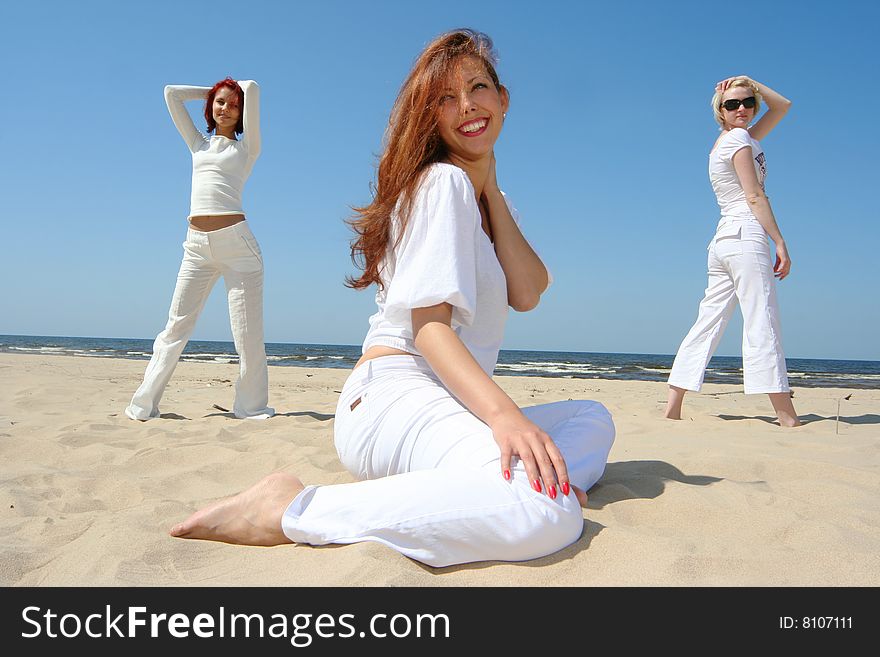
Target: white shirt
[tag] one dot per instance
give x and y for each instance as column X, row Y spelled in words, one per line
column 444, row 256
column 221, row 166
column 722, row 174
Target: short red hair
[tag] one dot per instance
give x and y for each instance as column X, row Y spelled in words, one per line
column 229, row 83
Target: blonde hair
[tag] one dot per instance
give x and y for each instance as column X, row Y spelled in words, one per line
column 737, row 82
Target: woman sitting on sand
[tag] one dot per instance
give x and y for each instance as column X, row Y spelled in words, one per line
column 451, row 470
column 218, row 243
column 740, row 264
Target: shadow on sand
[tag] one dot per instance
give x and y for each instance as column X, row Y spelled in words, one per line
column 867, row 418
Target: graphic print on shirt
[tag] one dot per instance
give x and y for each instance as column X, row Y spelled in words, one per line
column 762, row 167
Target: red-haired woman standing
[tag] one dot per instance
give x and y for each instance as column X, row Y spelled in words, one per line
column 218, row 243
column 451, row 470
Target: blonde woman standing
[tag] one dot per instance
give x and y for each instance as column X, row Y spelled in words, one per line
column 741, row 266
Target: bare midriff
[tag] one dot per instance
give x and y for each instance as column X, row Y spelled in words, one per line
column 208, row 223
column 379, row 351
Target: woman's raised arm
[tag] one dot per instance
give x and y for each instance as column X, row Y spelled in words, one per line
column 251, row 116
column 777, row 107
column 526, row 275
column 175, row 97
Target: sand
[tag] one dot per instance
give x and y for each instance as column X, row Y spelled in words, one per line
column 722, row 498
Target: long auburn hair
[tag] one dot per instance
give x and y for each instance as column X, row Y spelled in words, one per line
column 412, row 143
column 229, row 83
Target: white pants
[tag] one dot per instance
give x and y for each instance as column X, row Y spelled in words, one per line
column 233, row 253
column 740, row 268
column 432, row 485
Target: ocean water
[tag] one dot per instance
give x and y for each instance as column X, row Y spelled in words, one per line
column 802, row 372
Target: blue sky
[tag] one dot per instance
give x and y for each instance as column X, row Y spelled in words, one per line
column 603, row 153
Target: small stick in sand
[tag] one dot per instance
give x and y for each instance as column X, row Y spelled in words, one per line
column 837, row 423
column 220, row 408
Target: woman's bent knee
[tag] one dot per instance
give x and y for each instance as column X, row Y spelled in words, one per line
column 552, row 525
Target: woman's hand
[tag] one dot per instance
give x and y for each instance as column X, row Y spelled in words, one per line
column 515, row 434
column 722, row 86
column 518, row 436
column 491, row 185
column 526, row 274
column 783, row 262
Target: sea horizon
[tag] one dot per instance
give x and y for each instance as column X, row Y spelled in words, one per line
column 804, row 372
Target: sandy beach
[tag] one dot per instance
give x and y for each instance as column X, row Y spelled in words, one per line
column 723, row 498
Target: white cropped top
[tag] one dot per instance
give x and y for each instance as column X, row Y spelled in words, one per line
column 722, row 174
column 444, row 256
column 221, row 166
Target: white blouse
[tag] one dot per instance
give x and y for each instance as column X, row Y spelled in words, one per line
column 722, row 174
column 221, row 166
column 444, row 256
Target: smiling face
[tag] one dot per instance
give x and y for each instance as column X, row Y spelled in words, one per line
column 226, row 111
column 471, row 111
column 741, row 117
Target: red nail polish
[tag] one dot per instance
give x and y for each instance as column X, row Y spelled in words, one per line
column 507, row 475
column 566, row 489
column 537, row 485
column 552, row 492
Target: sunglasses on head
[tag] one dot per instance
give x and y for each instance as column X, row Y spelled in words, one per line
column 734, row 103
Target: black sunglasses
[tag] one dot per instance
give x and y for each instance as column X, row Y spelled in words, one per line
column 734, row 103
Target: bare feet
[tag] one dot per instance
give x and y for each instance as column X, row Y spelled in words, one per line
column 673, row 403
column 784, row 408
column 788, row 421
column 581, row 495
column 252, row 517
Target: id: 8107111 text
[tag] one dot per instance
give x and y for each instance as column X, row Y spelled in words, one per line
column 815, row 623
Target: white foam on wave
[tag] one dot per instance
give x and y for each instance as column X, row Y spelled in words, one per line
column 566, row 369
column 40, row 349
column 834, row 375
column 575, row 367
column 204, row 358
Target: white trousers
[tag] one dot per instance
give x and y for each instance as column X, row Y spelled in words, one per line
column 431, row 477
column 740, row 269
column 233, row 253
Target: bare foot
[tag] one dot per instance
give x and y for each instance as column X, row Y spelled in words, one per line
column 788, row 421
column 674, row 400
column 784, row 408
column 581, row 495
column 252, row 517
